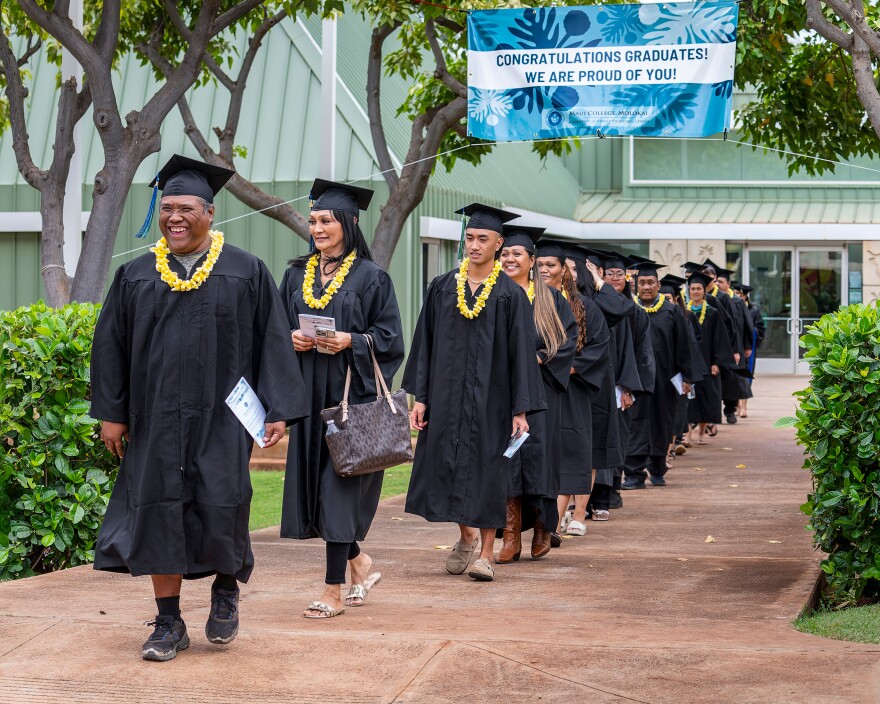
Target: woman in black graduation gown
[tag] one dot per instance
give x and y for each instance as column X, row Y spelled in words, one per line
column 534, row 470
column 348, row 287
column 717, row 353
column 588, row 366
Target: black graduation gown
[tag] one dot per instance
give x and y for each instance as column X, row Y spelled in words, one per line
column 636, row 420
column 670, row 339
column 590, row 364
column 164, row 362
column 698, row 369
column 757, row 337
column 473, row 376
column 317, row 502
column 715, row 346
column 736, row 386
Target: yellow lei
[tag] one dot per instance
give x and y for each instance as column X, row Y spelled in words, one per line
column 471, row 313
column 202, row 273
column 658, row 304
column 530, row 292
column 702, row 312
column 332, row 287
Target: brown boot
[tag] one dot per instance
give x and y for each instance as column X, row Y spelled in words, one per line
column 540, row 541
column 511, row 547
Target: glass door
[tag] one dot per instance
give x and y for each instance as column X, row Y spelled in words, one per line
column 820, row 287
column 770, row 276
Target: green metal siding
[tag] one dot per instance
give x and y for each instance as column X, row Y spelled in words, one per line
column 20, row 280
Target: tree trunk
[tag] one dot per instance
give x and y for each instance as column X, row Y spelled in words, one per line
column 388, row 229
column 111, row 189
column 55, row 279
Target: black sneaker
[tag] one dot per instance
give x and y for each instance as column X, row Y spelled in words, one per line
column 658, row 481
column 222, row 625
column 731, row 419
column 616, row 500
column 633, row 483
column 168, row 637
column 555, row 540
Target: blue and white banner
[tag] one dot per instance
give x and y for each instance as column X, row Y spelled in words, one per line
column 651, row 70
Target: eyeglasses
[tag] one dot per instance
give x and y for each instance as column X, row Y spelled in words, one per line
column 615, row 274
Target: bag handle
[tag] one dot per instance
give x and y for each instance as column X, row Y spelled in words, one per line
column 381, row 386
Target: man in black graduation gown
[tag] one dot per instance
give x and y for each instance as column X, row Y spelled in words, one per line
column 167, row 352
column 474, row 379
column 672, row 357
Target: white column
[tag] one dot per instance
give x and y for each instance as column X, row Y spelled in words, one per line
column 327, row 163
column 73, row 189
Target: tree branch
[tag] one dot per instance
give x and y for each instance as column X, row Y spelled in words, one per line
column 817, row 21
column 451, row 25
column 185, row 32
column 374, row 104
column 855, row 18
column 107, row 36
column 442, row 72
column 32, row 49
column 62, row 29
column 234, row 14
column 16, row 92
column 866, row 86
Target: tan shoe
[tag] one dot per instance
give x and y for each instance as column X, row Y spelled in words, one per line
column 482, row 571
column 460, row 557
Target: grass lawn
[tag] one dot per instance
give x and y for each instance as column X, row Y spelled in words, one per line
column 860, row 625
column 268, row 488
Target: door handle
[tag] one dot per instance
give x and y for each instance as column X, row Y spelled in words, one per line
column 788, row 326
column 800, row 326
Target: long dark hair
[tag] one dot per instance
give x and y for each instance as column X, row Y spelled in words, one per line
column 352, row 238
column 585, row 283
column 576, row 304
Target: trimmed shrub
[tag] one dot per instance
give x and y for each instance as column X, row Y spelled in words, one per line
column 838, row 424
column 55, row 473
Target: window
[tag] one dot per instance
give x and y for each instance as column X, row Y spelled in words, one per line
column 855, row 272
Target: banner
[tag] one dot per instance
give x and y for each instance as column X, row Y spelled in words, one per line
column 646, row 70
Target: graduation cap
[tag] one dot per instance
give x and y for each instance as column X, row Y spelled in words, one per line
column 671, row 284
column 519, row 235
column 330, row 195
column 691, row 267
column 646, row 267
column 182, row 176
column 745, row 288
column 698, row 277
column 612, row 260
column 638, row 258
column 575, row 252
column 548, row 247
column 482, row 217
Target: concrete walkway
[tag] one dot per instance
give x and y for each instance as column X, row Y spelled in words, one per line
column 642, row 609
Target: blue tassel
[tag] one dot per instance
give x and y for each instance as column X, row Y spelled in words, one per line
column 311, row 245
column 145, row 228
column 461, row 238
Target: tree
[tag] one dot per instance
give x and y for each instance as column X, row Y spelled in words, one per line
column 111, row 29
column 431, row 54
column 259, row 26
column 816, row 88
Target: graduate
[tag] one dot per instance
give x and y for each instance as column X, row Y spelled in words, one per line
column 180, row 326
column 587, row 372
column 671, row 345
column 744, row 291
column 337, row 280
column 620, row 385
column 473, row 374
column 735, row 384
column 717, row 353
column 534, row 474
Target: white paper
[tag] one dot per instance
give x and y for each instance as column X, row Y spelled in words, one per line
column 618, row 390
column 309, row 323
column 515, row 444
column 678, row 383
column 247, row 408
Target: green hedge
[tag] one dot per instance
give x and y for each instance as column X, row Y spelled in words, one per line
column 838, row 423
column 55, row 473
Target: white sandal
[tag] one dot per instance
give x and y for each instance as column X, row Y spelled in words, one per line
column 360, row 591
column 576, row 528
column 328, row 611
column 601, row 515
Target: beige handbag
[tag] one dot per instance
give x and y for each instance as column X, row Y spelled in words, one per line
column 368, row 437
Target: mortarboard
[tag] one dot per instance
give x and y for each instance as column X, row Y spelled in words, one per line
column 519, row 235
column 576, row 253
column 485, row 217
column 647, row 267
column 698, row 277
column 612, row 260
column 330, row 195
column 551, row 248
column 691, row 267
column 182, row 176
column 638, row 258
column 671, row 284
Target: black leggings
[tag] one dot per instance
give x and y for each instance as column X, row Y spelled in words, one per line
column 337, row 556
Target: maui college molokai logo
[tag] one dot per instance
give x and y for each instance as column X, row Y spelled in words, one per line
column 555, row 118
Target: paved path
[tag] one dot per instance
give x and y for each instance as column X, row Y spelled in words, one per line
column 640, row 610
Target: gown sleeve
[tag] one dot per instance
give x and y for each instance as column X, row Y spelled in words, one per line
column 558, row 370
column 722, row 353
column 681, row 336
column 109, row 365
column 279, row 383
column 383, row 325
column 416, row 375
column 591, row 360
column 526, row 389
column 644, row 350
column 627, row 370
column 285, row 295
column 614, row 306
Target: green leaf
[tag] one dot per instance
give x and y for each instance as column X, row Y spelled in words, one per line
column 78, row 514
column 786, row 422
column 48, row 539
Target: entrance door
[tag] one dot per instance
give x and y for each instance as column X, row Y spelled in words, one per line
column 793, row 287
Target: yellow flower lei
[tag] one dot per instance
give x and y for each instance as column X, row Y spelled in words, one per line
column 309, row 281
column 658, row 304
column 530, row 292
column 471, row 313
column 702, row 312
column 202, row 273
